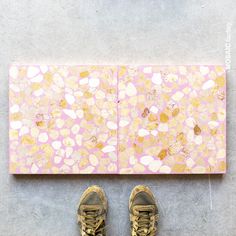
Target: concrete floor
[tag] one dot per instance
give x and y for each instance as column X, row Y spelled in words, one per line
column 112, row 32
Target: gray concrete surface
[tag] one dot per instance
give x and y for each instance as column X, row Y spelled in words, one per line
column 111, row 32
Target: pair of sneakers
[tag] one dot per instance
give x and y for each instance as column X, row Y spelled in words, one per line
column 93, row 208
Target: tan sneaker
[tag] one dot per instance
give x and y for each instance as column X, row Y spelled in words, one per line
column 143, row 212
column 92, row 212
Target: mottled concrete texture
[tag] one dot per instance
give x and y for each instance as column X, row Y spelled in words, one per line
column 112, row 32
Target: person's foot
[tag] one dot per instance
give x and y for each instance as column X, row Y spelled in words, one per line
column 143, row 212
column 92, row 211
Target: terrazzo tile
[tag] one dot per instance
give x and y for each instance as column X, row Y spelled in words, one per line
column 62, row 118
column 174, row 119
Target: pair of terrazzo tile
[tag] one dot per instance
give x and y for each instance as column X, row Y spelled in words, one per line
column 117, row 119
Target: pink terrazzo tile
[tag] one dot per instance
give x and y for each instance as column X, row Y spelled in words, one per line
column 173, row 119
column 117, row 119
column 63, row 119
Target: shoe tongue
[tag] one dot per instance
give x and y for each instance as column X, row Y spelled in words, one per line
column 145, row 208
column 91, row 208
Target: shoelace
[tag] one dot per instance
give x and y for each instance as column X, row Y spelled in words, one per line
column 93, row 224
column 144, row 224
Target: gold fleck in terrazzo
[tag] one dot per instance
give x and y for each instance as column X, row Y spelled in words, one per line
column 117, row 119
